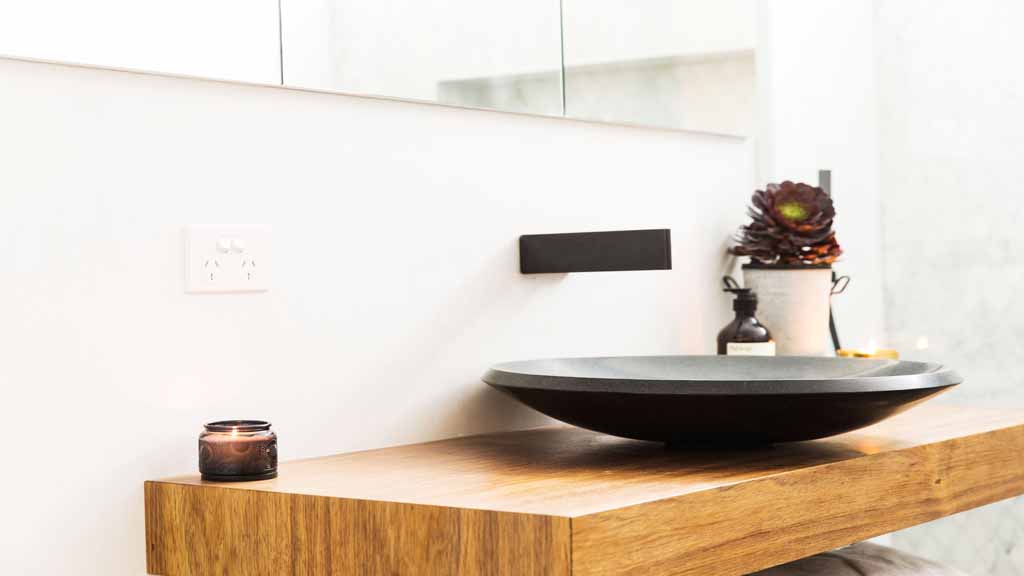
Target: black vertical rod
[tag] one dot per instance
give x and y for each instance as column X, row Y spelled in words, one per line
column 825, row 183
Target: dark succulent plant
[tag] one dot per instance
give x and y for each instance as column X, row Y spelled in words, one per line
column 791, row 223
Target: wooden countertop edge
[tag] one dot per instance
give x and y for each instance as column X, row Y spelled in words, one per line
column 751, row 525
column 200, row 530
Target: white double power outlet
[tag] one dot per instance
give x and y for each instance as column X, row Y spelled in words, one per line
column 227, row 259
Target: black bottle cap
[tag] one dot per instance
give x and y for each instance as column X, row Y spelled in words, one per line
column 746, row 299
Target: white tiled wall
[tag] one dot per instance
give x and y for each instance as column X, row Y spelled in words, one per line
column 951, row 120
column 986, row 541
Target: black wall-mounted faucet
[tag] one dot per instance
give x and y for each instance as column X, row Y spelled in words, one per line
column 596, row 251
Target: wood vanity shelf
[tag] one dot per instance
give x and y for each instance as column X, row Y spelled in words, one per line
column 561, row 500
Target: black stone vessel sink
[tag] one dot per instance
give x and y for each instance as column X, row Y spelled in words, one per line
column 716, row 400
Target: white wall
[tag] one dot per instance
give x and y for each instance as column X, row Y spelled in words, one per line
column 230, row 39
column 396, row 282
column 817, row 96
column 951, row 109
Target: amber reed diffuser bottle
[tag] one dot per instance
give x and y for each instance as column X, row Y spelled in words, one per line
column 745, row 335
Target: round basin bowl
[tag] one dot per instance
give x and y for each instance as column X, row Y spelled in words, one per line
column 716, row 400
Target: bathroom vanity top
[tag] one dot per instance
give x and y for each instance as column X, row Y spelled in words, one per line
column 562, row 500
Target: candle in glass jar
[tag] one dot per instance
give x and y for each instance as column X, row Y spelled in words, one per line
column 237, row 450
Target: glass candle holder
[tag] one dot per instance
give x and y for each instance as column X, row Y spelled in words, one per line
column 887, row 353
column 237, row 450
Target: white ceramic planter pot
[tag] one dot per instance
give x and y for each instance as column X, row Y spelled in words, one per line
column 793, row 302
